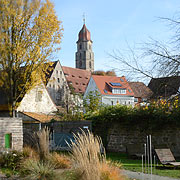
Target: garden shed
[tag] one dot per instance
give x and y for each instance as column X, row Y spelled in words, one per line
column 11, row 133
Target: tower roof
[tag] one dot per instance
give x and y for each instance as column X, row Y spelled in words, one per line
column 84, row 34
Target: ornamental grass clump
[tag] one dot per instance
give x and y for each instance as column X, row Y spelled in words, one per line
column 42, row 145
column 88, row 159
column 60, row 161
column 38, row 170
column 86, row 155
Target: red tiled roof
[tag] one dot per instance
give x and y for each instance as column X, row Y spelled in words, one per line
column 78, row 78
column 140, row 90
column 104, row 83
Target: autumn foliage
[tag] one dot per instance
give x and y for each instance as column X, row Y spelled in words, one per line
column 30, row 33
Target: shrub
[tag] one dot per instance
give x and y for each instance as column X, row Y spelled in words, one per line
column 11, row 159
column 38, row 170
column 109, row 172
column 59, row 160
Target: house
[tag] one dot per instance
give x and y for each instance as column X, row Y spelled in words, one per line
column 165, row 87
column 142, row 93
column 56, row 83
column 113, row 90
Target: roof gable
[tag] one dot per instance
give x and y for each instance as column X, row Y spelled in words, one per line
column 165, row 86
column 141, row 90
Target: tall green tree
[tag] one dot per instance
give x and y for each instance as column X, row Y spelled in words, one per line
column 29, row 33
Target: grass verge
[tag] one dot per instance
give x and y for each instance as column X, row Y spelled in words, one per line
column 136, row 165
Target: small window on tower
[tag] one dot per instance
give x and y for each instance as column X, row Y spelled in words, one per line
column 90, row 55
column 80, row 64
column 89, row 64
column 80, row 55
column 89, row 46
column 80, row 46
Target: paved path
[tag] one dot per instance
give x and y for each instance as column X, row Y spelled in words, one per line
column 140, row 176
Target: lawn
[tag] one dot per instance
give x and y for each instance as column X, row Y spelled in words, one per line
column 136, row 165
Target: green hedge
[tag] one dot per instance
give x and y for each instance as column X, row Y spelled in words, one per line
column 147, row 117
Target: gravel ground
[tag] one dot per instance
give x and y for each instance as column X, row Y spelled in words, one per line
column 141, row 176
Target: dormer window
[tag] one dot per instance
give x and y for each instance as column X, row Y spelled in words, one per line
column 118, row 91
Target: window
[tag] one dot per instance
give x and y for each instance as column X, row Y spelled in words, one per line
column 54, row 86
column 115, row 84
column 90, row 55
column 80, row 55
column 80, row 46
column 58, row 80
column 118, row 91
column 89, row 46
column 84, row 54
column 61, row 72
column 39, row 96
column 50, row 85
column 112, row 103
column 135, row 99
column 80, row 63
column 89, row 64
column 56, row 72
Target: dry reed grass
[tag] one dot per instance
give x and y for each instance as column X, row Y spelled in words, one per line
column 60, row 161
column 88, row 160
column 43, row 143
column 86, row 155
column 29, row 152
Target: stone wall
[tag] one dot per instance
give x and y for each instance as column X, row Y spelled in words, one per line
column 11, row 126
column 120, row 137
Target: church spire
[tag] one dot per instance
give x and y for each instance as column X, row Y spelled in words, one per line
column 84, row 18
column 84, row 54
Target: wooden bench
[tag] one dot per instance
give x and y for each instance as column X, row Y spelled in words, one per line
column 166, row 157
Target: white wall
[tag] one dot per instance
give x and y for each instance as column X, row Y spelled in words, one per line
column 124, row 100
column 30, row 104
column 91, row 87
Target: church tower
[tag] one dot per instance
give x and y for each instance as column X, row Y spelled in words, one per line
column 84, row 54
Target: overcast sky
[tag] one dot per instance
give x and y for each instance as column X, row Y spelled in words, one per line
column 112, row 24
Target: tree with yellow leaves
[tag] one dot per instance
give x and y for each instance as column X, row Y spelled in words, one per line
column 29, row 33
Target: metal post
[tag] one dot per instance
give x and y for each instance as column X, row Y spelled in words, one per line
column 154, row 164
column 148, row 154
column 150, row 147
column 142, row 168
column 145, row 157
